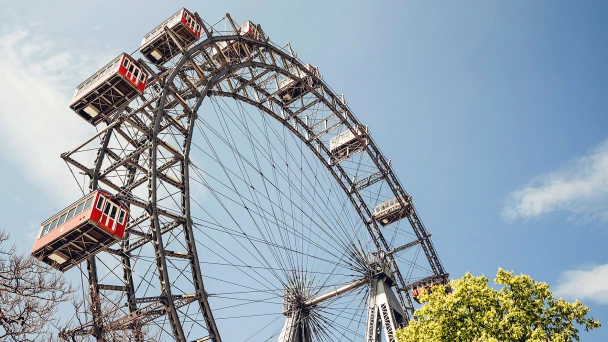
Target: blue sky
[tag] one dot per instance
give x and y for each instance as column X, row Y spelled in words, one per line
column 493, row 114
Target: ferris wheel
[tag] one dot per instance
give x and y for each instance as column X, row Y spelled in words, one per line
column 230, row 194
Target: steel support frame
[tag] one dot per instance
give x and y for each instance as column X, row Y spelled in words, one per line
column 201, row 294
column 298, row 127
column 91, row 262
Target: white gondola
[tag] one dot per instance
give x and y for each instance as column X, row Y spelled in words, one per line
column 347, row 143
column 289, row 89
column 390, row 211
column 234, row 50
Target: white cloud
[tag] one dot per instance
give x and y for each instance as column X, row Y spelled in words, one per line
column 36, row 124
column 585, row 284
column 579, row 188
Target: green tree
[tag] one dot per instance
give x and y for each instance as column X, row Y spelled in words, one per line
column 521, row 310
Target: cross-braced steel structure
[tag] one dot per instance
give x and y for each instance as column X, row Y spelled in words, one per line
column 256, row 206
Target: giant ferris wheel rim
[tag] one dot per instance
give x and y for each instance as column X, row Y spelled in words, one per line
column 341, row 110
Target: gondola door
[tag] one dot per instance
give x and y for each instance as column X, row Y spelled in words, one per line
column 133, row 73
column 108, row 216
column 112, row 218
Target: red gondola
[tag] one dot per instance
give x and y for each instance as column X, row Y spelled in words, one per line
column 428, row 285
column 83, row 229
column 113, row 86
column 158, row 47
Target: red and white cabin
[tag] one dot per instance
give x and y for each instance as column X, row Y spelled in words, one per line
column 159, row 48
column 81, row 230
column 235, row 50
column 428, row 283
column 113, row 86
column 251, row 30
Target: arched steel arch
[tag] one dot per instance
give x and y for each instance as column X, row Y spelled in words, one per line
column 171, row 104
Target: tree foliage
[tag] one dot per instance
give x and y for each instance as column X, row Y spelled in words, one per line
column 521, row 310
column 30, row 292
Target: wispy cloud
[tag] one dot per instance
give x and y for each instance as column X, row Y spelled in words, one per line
column 36, row 124
column 585, row 284
column 579, row 188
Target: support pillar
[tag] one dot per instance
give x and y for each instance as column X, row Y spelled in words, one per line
column 296, row 329
column 384, row 311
